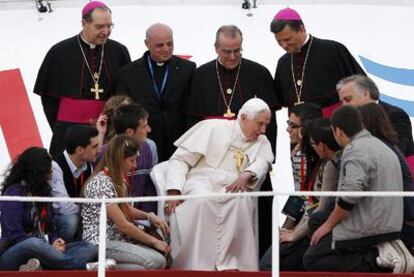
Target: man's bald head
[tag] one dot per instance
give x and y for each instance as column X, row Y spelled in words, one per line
column 159, row 41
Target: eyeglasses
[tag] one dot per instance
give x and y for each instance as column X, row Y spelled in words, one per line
column 228, row 52
column 292, row 124
column 101, row 27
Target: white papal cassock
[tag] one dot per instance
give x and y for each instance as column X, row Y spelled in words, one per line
column 216, row 234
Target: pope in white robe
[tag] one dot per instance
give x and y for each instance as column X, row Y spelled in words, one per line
column 218, row 156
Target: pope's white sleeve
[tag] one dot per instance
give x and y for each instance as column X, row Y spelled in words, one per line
column 259, row 168
column 179, row 165
column 261, row 165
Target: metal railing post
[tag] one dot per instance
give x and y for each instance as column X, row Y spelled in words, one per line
column 275, row 237
column 102, row 240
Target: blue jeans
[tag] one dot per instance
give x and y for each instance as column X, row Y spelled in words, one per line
column 67, row 226
column 75, row 256
column 134, row 256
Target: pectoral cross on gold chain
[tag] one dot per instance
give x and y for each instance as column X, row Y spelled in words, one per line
column 299, row 101
column 239, row 157
column 96, row 90
column 229, row 113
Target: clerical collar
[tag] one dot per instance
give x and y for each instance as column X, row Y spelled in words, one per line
column 157, row 63
column 305, row 44
column 91, row 45
column 224, row 68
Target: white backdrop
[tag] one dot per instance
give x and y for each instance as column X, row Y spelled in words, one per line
column 380, row 33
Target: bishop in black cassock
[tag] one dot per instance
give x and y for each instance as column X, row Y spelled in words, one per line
column 159, row 81
column 312, row 67
column 206, row 99
column 78, row 74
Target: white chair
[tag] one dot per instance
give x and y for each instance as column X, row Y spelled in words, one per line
column 158, row 176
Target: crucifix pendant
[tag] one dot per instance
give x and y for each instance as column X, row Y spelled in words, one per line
column 228, row 113
column 299, row 101
column 239, row 157
column 96, row 90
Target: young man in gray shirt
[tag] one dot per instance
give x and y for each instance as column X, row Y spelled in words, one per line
column 362, row 234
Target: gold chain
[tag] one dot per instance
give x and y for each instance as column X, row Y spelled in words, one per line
column 221, row 86
column 299, row 92
column 94, row 78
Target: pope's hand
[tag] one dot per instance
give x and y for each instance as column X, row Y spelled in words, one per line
column 240, row 184
column 171, row 205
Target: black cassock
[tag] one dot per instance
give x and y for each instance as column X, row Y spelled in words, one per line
column 206, row 98
column 206, row 101
column 328, row 62
column 64, row 82
column 165, row 107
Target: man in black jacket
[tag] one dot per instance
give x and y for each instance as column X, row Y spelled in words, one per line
column 159, row 81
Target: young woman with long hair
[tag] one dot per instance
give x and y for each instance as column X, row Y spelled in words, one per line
column 28, row 234
column 127, row 244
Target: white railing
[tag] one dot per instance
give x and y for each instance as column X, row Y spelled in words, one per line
column 275, row 211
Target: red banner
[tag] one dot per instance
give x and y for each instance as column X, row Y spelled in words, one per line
column 16, row 115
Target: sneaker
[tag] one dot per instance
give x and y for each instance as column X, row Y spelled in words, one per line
column 32, row 264
column 388, row 257
column 109, row 264
column 402, row 249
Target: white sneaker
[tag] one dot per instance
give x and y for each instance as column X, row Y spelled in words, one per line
column 109, row 264
column 389, row 257
column 402, row 249
column 32, row 264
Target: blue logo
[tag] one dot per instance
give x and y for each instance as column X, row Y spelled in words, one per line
column 401, row 76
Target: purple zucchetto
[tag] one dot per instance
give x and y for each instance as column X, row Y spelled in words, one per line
column 92, row 5
column 287, row 14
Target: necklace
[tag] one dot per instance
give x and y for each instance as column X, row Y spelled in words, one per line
column 299, row 83
column 95, row 76
column 239, row 155
column 228, row 113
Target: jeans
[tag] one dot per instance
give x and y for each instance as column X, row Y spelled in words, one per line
column 291, row 253
column 75, row 256
column 407, row 235
column 290, row 256
column 67, row 226
column 134, row 256
column 322, row 257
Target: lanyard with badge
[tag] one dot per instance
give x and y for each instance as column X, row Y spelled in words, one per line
column 157, row 90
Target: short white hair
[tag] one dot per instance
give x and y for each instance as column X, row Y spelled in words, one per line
column 252, row 108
